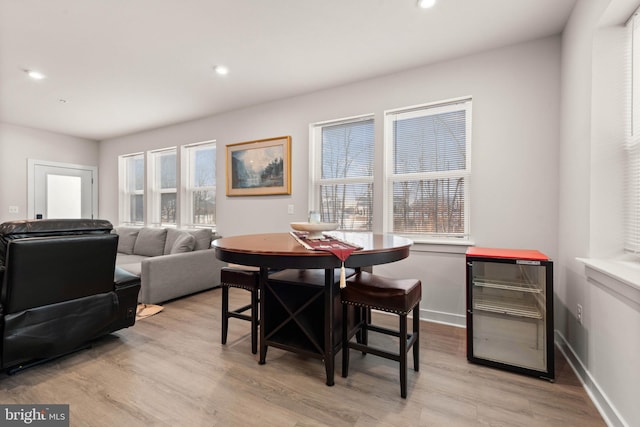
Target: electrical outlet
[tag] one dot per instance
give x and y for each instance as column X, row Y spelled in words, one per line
column 14, row 209
column 579, row 313
column 290, row 209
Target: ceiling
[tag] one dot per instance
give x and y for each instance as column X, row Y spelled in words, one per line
column 116, row 67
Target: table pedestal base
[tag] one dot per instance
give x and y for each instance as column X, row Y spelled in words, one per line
column 304, row 317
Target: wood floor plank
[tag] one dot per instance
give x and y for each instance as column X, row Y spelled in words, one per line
column 171, row 370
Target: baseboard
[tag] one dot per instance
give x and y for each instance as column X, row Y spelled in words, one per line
column 597, row 395
column 450, row 319
column 438, row 317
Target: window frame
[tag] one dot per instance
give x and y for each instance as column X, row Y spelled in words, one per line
column 315, row 163
column 631, row 143
column 124, row 175
column 151, row 191
column 155, row 190
column 188, row 187
column 390, row 177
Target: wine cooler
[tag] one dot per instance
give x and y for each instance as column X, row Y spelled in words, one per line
column 510, row 310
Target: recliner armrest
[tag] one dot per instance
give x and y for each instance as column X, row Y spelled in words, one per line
column 122, row 277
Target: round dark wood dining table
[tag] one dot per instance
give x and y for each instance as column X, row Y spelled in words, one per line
column 282, row 251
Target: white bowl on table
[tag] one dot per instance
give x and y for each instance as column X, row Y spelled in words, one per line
column 315, row 230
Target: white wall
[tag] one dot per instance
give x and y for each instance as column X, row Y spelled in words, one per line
column 516, row 106
column 605, row 346
column 17, row 144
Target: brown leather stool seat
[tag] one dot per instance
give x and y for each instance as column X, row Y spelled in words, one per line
column 399, row 296
column 243, row 279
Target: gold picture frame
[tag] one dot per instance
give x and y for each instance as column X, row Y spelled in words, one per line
column 259, row 168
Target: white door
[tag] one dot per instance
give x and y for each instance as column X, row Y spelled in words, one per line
column 59, row 190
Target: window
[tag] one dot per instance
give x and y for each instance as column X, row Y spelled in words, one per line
column 632, row 144
column 132, row 189
column 428, row 168
column 199, row 162
column 184, row 196
column 342, row 172
column 163, row 191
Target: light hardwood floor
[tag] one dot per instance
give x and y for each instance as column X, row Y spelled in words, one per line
column 171, row 370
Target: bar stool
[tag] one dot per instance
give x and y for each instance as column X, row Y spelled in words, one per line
column 367, row 291
column 231, row 277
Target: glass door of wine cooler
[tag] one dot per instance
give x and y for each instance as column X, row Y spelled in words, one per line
column 509, row 314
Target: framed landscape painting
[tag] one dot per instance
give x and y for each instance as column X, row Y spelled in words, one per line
column 259, row 168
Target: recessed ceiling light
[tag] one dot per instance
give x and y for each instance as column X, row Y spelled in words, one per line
column 35, row 75
column 221, row 70
column 426, row 4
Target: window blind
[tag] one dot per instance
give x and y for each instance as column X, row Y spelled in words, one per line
column 632, row 142
column 132, row 189
column 343, row 186
column 163, row 195
column 427, row 186
column 199, row 163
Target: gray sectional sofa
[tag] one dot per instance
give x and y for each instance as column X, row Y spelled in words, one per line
column 171, row 263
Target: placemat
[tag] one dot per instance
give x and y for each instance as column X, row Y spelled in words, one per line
column 337, row 247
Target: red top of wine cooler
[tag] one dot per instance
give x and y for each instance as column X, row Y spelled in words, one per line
column 507, row 253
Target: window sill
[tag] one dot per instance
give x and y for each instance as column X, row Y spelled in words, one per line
column 621, row 275
column 441, row 246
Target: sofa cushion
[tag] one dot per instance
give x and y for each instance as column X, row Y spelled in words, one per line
column 129, row 259
column 150, row 241
column 134, row 268
column 203, row 238
column 172, row 236
column 127, row 238
column 184, row 243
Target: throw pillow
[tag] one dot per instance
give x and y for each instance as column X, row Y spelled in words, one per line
column 172, row 235
column 203, row 237
column 184, row 243
column 150, row 242
column 126, row 239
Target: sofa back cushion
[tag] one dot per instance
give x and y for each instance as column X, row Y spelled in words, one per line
column 127, row 239
column 202, row 237
column 150, row 241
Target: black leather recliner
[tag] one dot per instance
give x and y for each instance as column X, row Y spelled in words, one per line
column 60, row 288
